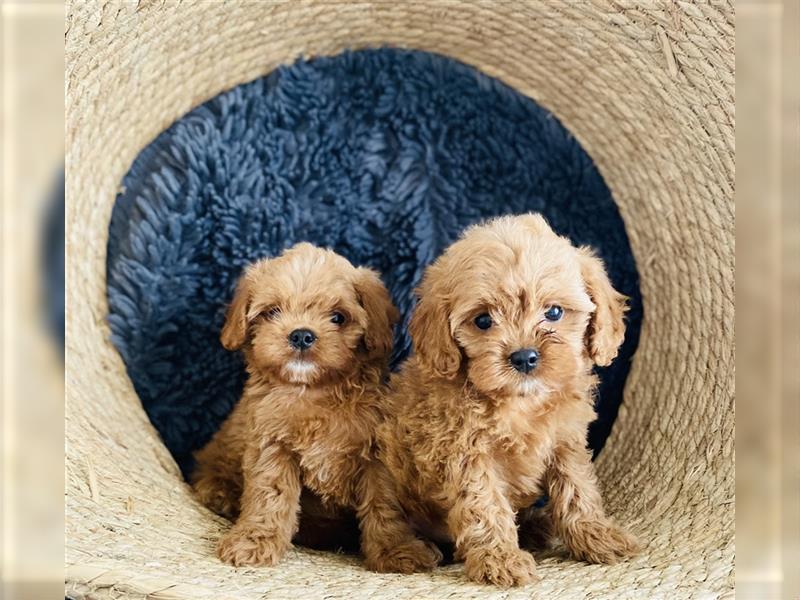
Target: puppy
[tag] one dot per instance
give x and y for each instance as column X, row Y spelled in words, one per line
column 316, row 333
column 492, row 410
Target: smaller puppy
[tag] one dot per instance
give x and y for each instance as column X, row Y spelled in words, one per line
column 316, row 333
column 492, row 410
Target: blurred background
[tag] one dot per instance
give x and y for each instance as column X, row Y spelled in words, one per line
column 31, row 299
column 768, row 299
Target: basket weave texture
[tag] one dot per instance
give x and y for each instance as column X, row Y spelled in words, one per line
column 647, row 88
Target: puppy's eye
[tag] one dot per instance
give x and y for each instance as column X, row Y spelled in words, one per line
column 337, row 318
column 554, row 313
column 483, row 321
column 271, row 312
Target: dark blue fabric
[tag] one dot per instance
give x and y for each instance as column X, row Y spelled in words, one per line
column 383, row 155
column 52, row 264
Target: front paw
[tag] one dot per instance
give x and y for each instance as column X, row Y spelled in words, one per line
column 248, row 545
column 600, row 542
column 407, row 557
column 503, row 568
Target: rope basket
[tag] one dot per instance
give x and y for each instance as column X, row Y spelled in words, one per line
column 648, row 90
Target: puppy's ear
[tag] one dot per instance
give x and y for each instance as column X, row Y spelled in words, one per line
column 234, row 332
column 381, row 312
column 607, row 326
column 434, row 344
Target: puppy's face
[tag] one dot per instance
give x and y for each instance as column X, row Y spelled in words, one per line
column 517, row 310
column 309, row 316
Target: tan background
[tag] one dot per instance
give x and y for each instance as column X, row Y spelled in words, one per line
column 768, row 288
column 767, row 293
column 31, row 436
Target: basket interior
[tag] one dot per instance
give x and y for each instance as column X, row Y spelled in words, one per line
column 384, row 155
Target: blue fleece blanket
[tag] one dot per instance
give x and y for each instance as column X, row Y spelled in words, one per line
column 383, row 155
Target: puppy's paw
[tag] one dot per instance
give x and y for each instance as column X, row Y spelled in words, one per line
column 504, row 568
column 406, row 557
column 600, row 542
column 221, row 502
column 248, row 545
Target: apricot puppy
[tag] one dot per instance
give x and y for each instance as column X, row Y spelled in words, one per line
column 316, row 333
column 492, row 410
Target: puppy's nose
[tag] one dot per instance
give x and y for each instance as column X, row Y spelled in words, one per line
column 524, row 360
column 302, row 339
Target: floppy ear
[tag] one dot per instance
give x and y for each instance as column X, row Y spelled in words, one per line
column 607, row 326
column 381, row 312
column 434, row 344
column 234, row 332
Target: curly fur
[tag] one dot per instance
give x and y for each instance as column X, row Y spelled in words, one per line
column 307, row 419
column 470, row 441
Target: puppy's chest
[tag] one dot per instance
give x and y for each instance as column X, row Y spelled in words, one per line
column 331, row 449
column 522, row 451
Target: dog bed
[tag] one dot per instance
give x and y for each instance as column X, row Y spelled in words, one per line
column 648, row 93
column 383, row 155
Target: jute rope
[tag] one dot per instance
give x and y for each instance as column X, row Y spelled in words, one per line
column 648, row 89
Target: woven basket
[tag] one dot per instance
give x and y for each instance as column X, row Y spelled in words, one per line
column 647, row 88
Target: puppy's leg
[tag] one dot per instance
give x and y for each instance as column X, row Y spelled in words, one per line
column 482, row 523
column 577, row 509
column 217, row 478
column 387, row 539
column 269, row 507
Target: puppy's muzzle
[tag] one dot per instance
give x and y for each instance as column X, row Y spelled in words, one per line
column 302, row 339
column 524, row 360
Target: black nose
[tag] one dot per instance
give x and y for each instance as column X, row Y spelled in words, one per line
column 524, row 360
column 302, row 339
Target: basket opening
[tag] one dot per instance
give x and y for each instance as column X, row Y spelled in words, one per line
column 383, row 155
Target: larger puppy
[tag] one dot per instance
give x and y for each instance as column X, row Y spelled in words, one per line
column 492, row 410
column 316, row 333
